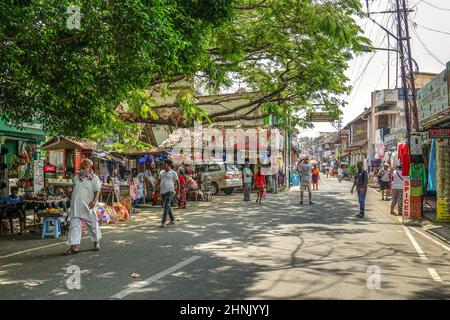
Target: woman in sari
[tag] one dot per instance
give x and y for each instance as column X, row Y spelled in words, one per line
column 182, row 199
column 315, row 178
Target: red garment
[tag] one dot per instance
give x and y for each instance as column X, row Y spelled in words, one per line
column 405, row 160
column 260, row 180
column 181, row 179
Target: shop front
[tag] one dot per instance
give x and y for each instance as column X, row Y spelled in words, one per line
column 20, row 149
column 434, row 118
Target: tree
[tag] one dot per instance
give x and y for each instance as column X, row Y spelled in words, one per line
column 72, row 80
column 293, row 53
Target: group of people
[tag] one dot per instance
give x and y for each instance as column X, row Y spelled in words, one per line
column 259, row 180
column 391, row 183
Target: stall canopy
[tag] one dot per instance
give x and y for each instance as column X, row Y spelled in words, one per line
column 69, row 143
column 106, row 156
column 152, row 150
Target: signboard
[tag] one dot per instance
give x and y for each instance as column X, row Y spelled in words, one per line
column 379, row 144
column 433, row 98
column 442, row 211
column 49, row 168
column 439, row 133
column 416, row 145
column 406, row 194
column 383, row 97
column 38, row 176
column 321, row 117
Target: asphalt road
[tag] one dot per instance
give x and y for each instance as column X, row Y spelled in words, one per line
column 230, row 249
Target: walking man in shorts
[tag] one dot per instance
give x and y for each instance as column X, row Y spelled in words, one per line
column 305, row 182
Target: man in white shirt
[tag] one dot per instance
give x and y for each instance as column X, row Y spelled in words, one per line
column 166, row 182
column 85, row 194
column 397, row 190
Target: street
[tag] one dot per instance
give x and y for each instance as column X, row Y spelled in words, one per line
column 230, row 249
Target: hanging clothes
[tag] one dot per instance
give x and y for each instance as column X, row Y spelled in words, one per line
column 417, row 171
column 432, row 167
column 405, row 159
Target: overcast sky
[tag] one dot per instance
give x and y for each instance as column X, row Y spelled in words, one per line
column 369, row 72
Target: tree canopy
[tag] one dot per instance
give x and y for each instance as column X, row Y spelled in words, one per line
column 292, row 53
column 72, row 80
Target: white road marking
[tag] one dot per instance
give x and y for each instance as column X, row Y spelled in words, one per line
column 434, row 275
column 415, row 244
column 430, row 238
column 136, row 286
column 64, row 243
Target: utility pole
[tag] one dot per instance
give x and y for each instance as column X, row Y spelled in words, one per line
column 405, row 61
column 406, row 66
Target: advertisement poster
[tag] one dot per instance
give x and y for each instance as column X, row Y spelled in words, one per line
column 38, row 178
column 406, row 194
column 415, row 199
column 379, row 144
column 416, row 145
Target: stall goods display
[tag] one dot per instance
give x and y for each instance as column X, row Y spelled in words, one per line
column 121, row 211
column 443, row 184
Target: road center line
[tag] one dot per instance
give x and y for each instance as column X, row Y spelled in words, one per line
column 434, row 275
column 430, row 238
column 136, row 286
column 415, row 244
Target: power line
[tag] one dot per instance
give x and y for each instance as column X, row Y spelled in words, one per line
column 435, row 6
column 431, row 29
column 426, row 48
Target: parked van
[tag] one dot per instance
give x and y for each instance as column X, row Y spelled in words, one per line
column 224, row 176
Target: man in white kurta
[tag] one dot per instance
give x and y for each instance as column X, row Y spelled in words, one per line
column 85, row 194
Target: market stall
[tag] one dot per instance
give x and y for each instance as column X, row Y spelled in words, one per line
column 141, row 169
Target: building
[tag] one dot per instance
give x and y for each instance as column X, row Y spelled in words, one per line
column 358, row 138
column 388, row 121
column 23, row 148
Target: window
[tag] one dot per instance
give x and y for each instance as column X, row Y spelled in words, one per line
column 56, row 158
column 213, row 167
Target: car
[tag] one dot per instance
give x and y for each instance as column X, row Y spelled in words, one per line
column 223, row 176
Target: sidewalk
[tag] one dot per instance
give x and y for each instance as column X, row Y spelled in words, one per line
column 428, row 223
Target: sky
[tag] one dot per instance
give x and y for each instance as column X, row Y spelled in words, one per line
column 369, row 71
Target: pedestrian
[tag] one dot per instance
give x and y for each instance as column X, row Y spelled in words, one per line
column 315, row 178
column 397, row 190
column 247, row 177
column 385, row 181
column 361, row 182
column 340, row 174
column 85, row 194
column 305, row 180
column 260, row 183
column 167, row 180
column 182, row 198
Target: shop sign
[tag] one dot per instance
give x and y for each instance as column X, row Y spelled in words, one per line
column 415, row 201
column 390, row 140
column 443, row 210
column 406, row 194
column 321, row 117
column 433, row 98
column 416, row 145
column 439, row 133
